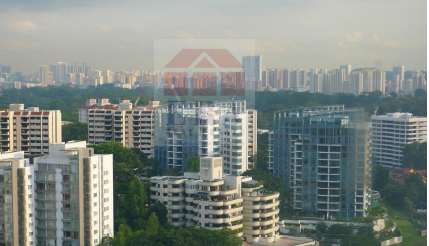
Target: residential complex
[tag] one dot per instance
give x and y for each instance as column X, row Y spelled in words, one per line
column 252, row 67
column 92, row 103
column 17, row 204
column 65, row 198
column 324, row 154
column 212, row 200
column 391, row 132
column 131, row 126
column 190, row 129
column 30, row 130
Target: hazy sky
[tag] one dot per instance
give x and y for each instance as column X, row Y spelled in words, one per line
column 295, row 34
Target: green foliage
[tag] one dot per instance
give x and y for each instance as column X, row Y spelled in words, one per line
column 340, row 229
column 380, row 177
column 415, row 156
column 193, row 164
column 253, row 185
column 157, row 235
column 172, row 172
column 262, row 152
column 160, row 211
column 321, row 227
column 75, row 131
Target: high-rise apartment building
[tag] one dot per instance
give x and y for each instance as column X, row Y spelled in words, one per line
column 131, row 126
column 212, row 200
column 286, row 78
column 30, row 130
column 65, row 198
column 17, row 203
column 324, row 154
column 91, row 103
column 44, row 75
column 399, row 70
column 379, row 80
column 6, row 69
column 391, row 132
column 347, row 69
column 190, row 129
column 252, row 67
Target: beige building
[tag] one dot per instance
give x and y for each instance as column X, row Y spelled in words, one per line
column 212, row 200
column 17, row 210
column 30, row 130
column 131, row 126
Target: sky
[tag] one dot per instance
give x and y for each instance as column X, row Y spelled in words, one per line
column 119, row 35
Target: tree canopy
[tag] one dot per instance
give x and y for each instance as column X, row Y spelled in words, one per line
column 75, row 131
column 415, row 156
column 193, row 164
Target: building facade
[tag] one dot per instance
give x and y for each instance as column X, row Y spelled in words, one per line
column 17, row 203
column 65, row 198
column 212, row 200
column 391, row 132
column 190, row 129
column 30, row 130
column 131, row 126
column 324, row 154
column 73, row 196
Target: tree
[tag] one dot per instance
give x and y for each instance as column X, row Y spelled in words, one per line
column 152, row 224
column 193, row 164
column 160, row 211
column 321, row 227
column 262, row 152
column 75, row 131
column 415, row 156
column 380, row 177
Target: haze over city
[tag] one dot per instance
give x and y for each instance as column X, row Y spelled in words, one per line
column 296, row 34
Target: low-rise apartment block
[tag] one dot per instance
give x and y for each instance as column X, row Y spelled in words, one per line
column 65, row 198
column 213, row 200
column 30, row 130
column 391, row 132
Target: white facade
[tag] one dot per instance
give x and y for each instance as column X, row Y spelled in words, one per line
column 224, row 129
column 74, row 196
column 211, row 200
column 252, row 66
column 391, row 132
column 30, row 130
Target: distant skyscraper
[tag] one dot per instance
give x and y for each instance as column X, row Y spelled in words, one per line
column 286, row 78
column 265, row 78
column 6, row 69
column 43, row 74
column 347, row 68
column 356, row 83
column 379, row 80
column 252, row 66
column 367, row 80
column 400, row 71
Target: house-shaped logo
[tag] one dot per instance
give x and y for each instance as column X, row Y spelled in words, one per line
column 203, row 70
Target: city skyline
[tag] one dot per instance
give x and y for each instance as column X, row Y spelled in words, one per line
column 30, row 36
